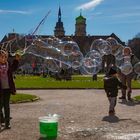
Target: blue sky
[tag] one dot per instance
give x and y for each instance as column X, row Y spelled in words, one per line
column 103, row 16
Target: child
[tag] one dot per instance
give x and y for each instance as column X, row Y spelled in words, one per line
column 7, row 86
column 111, row 84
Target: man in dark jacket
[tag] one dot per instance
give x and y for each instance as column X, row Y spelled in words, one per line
column 7, row 86
column 111, row 84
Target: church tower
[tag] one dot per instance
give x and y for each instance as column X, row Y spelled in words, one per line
column 80, row 26
column 59, row 29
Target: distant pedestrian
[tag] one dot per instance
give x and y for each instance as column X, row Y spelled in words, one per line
column 94, row 77
column 111, row 84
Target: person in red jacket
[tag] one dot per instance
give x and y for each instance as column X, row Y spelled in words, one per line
column 7, row 85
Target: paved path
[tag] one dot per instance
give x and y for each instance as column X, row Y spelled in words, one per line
column 84, row 116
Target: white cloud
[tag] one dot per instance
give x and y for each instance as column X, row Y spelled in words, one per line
column 14, row 11
column 92, row 4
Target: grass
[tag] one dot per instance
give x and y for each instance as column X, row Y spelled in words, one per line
column 77, row 81
column 137, row 98
column 40, row 82
column 18, row 98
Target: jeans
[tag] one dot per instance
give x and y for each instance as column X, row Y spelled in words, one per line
column 126, row 80
column 5, row 104
column 112, row 103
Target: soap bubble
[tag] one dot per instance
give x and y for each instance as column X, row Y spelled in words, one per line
column 95, row 44
column 52, row 64
column 94, row 55
column 69, row 47
column 112, row 41
column 126, row 68
column 102, row 46
column 117, row 50
column 91, row 66
column 137, row 68
column 76, row 64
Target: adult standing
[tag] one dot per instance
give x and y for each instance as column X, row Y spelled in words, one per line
column 7, row 85
column 127, row 79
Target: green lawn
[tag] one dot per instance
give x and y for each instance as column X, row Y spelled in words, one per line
column 48, row 82
column 22, row 98
column 137, row 98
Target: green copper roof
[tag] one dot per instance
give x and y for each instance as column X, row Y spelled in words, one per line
column 80, row 19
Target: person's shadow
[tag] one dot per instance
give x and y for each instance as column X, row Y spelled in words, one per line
column 129, row 103
column 113, row 119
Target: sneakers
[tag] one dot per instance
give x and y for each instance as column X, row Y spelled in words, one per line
column 7, row 126
column 130, row 99
column 122, row 97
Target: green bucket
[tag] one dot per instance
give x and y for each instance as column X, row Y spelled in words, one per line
column 48, row 127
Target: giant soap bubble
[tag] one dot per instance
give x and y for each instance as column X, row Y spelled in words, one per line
column 52, row 64
column 58, row 55
column 95, row 44
column 94, row 55
column 113, row 41
column 55, row 54
column 91, row 66
column 69, row 47
column 137, row 68
column 126, row 68
column 117, row 50
column 102, row 46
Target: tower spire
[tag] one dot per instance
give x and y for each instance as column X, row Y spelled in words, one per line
column 59, row 29
column 59, row 14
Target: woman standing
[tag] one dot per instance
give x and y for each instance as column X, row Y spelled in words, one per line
column 127, row 79
column 7, row 85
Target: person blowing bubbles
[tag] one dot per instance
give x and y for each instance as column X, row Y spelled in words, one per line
column 7, row 86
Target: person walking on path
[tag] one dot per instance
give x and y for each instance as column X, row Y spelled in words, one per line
column 111, row 84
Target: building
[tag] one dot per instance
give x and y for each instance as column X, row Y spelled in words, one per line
column 134, row 44
column 83, row 40
column 80, row 26
column 80, row 36
column 59, row 29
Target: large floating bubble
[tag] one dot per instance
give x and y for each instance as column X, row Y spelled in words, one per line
column 52, row 64
column 94, row 55
column 117, row 50
column 95, row 44
column 122, row 59
column 49, row 41
column 137, row 68
column 102, row 46
column 91, row 66
column 76, row 64
column 55, row 54
column 69, row 47
column 126, row 68
column 112, row 41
